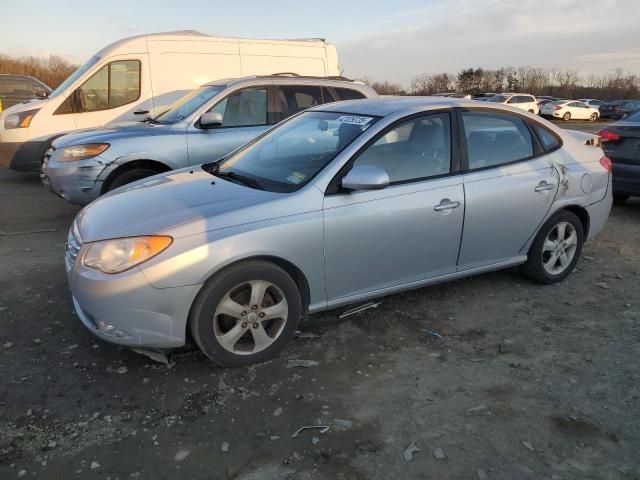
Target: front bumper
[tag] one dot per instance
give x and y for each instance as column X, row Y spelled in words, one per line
column 127, row 310
column 23, row 156
column 77, row 182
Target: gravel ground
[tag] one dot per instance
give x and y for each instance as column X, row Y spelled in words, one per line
column 525, row 382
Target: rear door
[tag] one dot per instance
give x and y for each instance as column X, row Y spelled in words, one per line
column 291, row 99
column 509, row 186
column 246, row 113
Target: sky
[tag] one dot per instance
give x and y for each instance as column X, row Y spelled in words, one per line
column 382, row 40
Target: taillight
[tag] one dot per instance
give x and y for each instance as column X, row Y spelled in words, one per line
column 607, row 135
column 606, row 163
column 558, row 107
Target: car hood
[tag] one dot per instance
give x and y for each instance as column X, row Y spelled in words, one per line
column 157, row 203
column 110, row 133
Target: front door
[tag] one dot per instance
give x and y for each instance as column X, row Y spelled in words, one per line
column 244, row 116
column 509, row 188
column 406, row 232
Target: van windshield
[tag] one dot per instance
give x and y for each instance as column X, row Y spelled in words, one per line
column 291, row 154
column 188, row 104
column 74, row 76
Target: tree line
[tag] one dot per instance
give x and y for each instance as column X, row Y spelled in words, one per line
column 52, row 70
column 562, row 83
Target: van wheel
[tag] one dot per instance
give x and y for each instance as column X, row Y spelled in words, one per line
column 556, row 249
column 246, row 314
column 129, row 176
column 566, row 117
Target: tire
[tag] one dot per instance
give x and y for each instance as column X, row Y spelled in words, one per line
column 566, row 117
column 230, row 291
column 532, row 111
column 620, row 198
column 540, row 265
column 129, row 176
column 594, row 117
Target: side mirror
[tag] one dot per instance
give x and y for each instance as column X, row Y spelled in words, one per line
column 211, row 120
column 77, row 100
column 40, row 93
column 365, row 177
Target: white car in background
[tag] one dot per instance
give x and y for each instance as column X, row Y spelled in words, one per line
column 523, row 101
column 570, row 110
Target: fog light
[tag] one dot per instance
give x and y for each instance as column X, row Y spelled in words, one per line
column 110, row 330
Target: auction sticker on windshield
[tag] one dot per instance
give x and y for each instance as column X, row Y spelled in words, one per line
column 296, row 177
column 354, row 120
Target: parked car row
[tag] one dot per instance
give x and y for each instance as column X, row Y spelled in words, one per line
column 265, row 190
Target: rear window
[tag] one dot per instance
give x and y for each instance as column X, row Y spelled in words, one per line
column 349, row 94
column 549, row 140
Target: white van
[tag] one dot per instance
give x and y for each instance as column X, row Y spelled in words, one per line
column 136, row 76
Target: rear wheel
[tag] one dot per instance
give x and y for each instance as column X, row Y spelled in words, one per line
column 556, row 249
column 531, row 110
column 246, row 314
column 130, row 176
column 620, row 198
column 594, row 117
column 566, row 117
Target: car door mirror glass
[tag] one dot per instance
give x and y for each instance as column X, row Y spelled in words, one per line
column 211, row 120
column 365, row 177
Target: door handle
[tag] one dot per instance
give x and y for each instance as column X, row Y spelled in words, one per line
column 446, row 204
column 544, row 186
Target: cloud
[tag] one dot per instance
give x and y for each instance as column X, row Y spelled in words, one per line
column 451, row 35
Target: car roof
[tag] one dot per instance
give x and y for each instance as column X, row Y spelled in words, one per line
column 286, row 78
column 384, row 106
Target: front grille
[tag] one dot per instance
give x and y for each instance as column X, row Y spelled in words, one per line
column 72, row 247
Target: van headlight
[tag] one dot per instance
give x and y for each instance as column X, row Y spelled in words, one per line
column 81, row 152
column 120, row 254
column 20, row 119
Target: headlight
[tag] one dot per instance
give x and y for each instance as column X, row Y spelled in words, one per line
column 19, row 120
column 120, row 254
column 82, row 152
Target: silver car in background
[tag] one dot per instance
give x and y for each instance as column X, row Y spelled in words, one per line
column 338, row 204
column 203, row 126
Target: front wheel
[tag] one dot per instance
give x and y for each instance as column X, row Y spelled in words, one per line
column 556, row 249
column 246, row 314
column 566, row 117
column 130, row 176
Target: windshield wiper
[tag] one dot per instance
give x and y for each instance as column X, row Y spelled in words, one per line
column 234, row 177
column 150, row 119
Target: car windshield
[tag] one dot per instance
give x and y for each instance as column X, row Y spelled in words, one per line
column 74, row 76
column 188, row 104
column 498, row 99
column 288, row 156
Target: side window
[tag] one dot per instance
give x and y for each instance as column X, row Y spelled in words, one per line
column 513, row 100
column 530, row 100
column 495, row 139
column 114, row 85
column 349, row 94
column 549, row 140
column 244, row 108
column 419, row 148
column 294, row 99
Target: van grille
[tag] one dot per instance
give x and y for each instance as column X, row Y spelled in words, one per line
column 72, row 247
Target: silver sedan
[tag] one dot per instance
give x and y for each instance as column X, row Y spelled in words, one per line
column 337, row 205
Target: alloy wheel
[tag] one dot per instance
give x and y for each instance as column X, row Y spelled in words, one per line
column 559, row 248
column 250, row 317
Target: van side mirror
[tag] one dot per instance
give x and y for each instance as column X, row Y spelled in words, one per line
column 365, row 177
column 211, row 120
column 77, row 100
column 40, row 93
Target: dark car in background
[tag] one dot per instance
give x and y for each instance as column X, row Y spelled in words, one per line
column 16, row 89
column 619, row 108
column 621, row 143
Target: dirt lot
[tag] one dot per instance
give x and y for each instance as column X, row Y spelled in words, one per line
column 527, row 382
